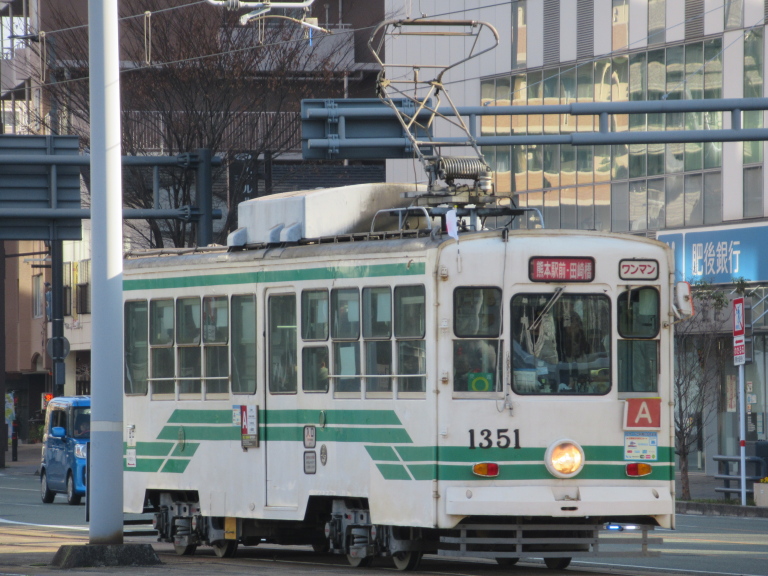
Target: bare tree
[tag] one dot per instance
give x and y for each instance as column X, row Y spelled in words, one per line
column 194, row 78
column 699, row 360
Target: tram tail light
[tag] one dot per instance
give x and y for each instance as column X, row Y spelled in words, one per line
column 638, row 469
column 488, row 469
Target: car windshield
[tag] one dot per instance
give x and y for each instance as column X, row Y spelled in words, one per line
column 82, row 423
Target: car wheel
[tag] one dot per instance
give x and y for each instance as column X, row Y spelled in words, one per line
column 45, row 493
column 72, row 498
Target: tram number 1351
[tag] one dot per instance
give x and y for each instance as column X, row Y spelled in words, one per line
column 486, row 439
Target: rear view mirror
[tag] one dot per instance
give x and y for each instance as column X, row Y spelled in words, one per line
column 684, row 300
column 58, row 432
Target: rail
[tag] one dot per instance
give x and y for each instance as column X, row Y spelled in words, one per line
column 761, row 466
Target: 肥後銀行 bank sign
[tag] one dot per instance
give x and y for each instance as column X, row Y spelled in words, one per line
column 719, row 254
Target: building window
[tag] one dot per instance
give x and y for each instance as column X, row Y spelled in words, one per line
column 753, row 192
column 657, row 21
column 66, row 293
column 38, row 296
column 83, row 293
column 620, row 25
column 753, row 88
column 734, row 14
column 519, row 35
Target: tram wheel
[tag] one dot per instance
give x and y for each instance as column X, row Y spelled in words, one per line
column 359, row 562
column 557, row 563
column 406, row 560
column 507, row 561
column 184, row 550
column 225, row 548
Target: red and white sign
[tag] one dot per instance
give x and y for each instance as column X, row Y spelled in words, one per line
column 638, row 270
column 739, row 351
column 562, row 269
column 739, row 348
column 249, row 426
column 738, row 316
column 642, row 414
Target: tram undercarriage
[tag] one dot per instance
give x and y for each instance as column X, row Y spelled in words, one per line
column 343, row 526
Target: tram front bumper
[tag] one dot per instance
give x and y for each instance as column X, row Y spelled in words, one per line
column 554, row 501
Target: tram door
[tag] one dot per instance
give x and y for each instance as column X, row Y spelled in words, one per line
column 282, row 452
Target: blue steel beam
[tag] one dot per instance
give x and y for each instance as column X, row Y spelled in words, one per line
column 377, row 134
column 576, row 139
column 577, row 108
column 183, row 213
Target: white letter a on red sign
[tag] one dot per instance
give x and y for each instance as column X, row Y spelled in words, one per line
column 644, row 413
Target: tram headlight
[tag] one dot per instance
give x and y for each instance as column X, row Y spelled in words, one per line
column 564, row 458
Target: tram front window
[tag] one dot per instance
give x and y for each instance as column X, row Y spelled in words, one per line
column 561, row 343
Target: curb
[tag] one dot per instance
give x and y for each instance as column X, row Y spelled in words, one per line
column 701, row 509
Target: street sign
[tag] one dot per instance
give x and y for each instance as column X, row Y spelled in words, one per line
column 738, row 316
column 739, row 351
column 739, row 347
column 55, row 354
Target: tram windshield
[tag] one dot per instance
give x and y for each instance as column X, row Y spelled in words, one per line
column 561, row 343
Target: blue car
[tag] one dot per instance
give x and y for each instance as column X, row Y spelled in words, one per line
column 65, row 446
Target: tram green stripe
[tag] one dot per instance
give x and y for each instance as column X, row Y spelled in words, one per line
column 465, row 454
column 200, row 433
column 382, row 453
column 187, row 450
column 366, row 417
column 540, row 472
column 271, row 276
column 175, row 466
column 417, row 453
column 393, row 471
column 144, row 465
column 423, row 471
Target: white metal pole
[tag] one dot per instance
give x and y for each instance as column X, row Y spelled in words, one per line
column 106, row 479
column 742, row 436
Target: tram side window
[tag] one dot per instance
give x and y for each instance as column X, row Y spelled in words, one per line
column 377, row 336
column 477, row 350
column 410, row 329
column 345, row 332
column 188, row 345
column 215, row 340
column 314, row 315
column 314, row 328
column 162, row 365
column 282, row 344
column 638, row 352
column 561, row 343
column 314, row 369
column 136, row 347
column 243, row 354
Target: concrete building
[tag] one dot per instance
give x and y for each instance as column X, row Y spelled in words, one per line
column 708, row 200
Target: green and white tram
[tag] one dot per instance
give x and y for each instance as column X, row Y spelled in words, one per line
column 500, row 394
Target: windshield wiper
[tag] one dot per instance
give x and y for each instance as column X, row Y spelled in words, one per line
column 552, row 301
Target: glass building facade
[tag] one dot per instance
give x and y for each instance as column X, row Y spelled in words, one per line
column 625, row 188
